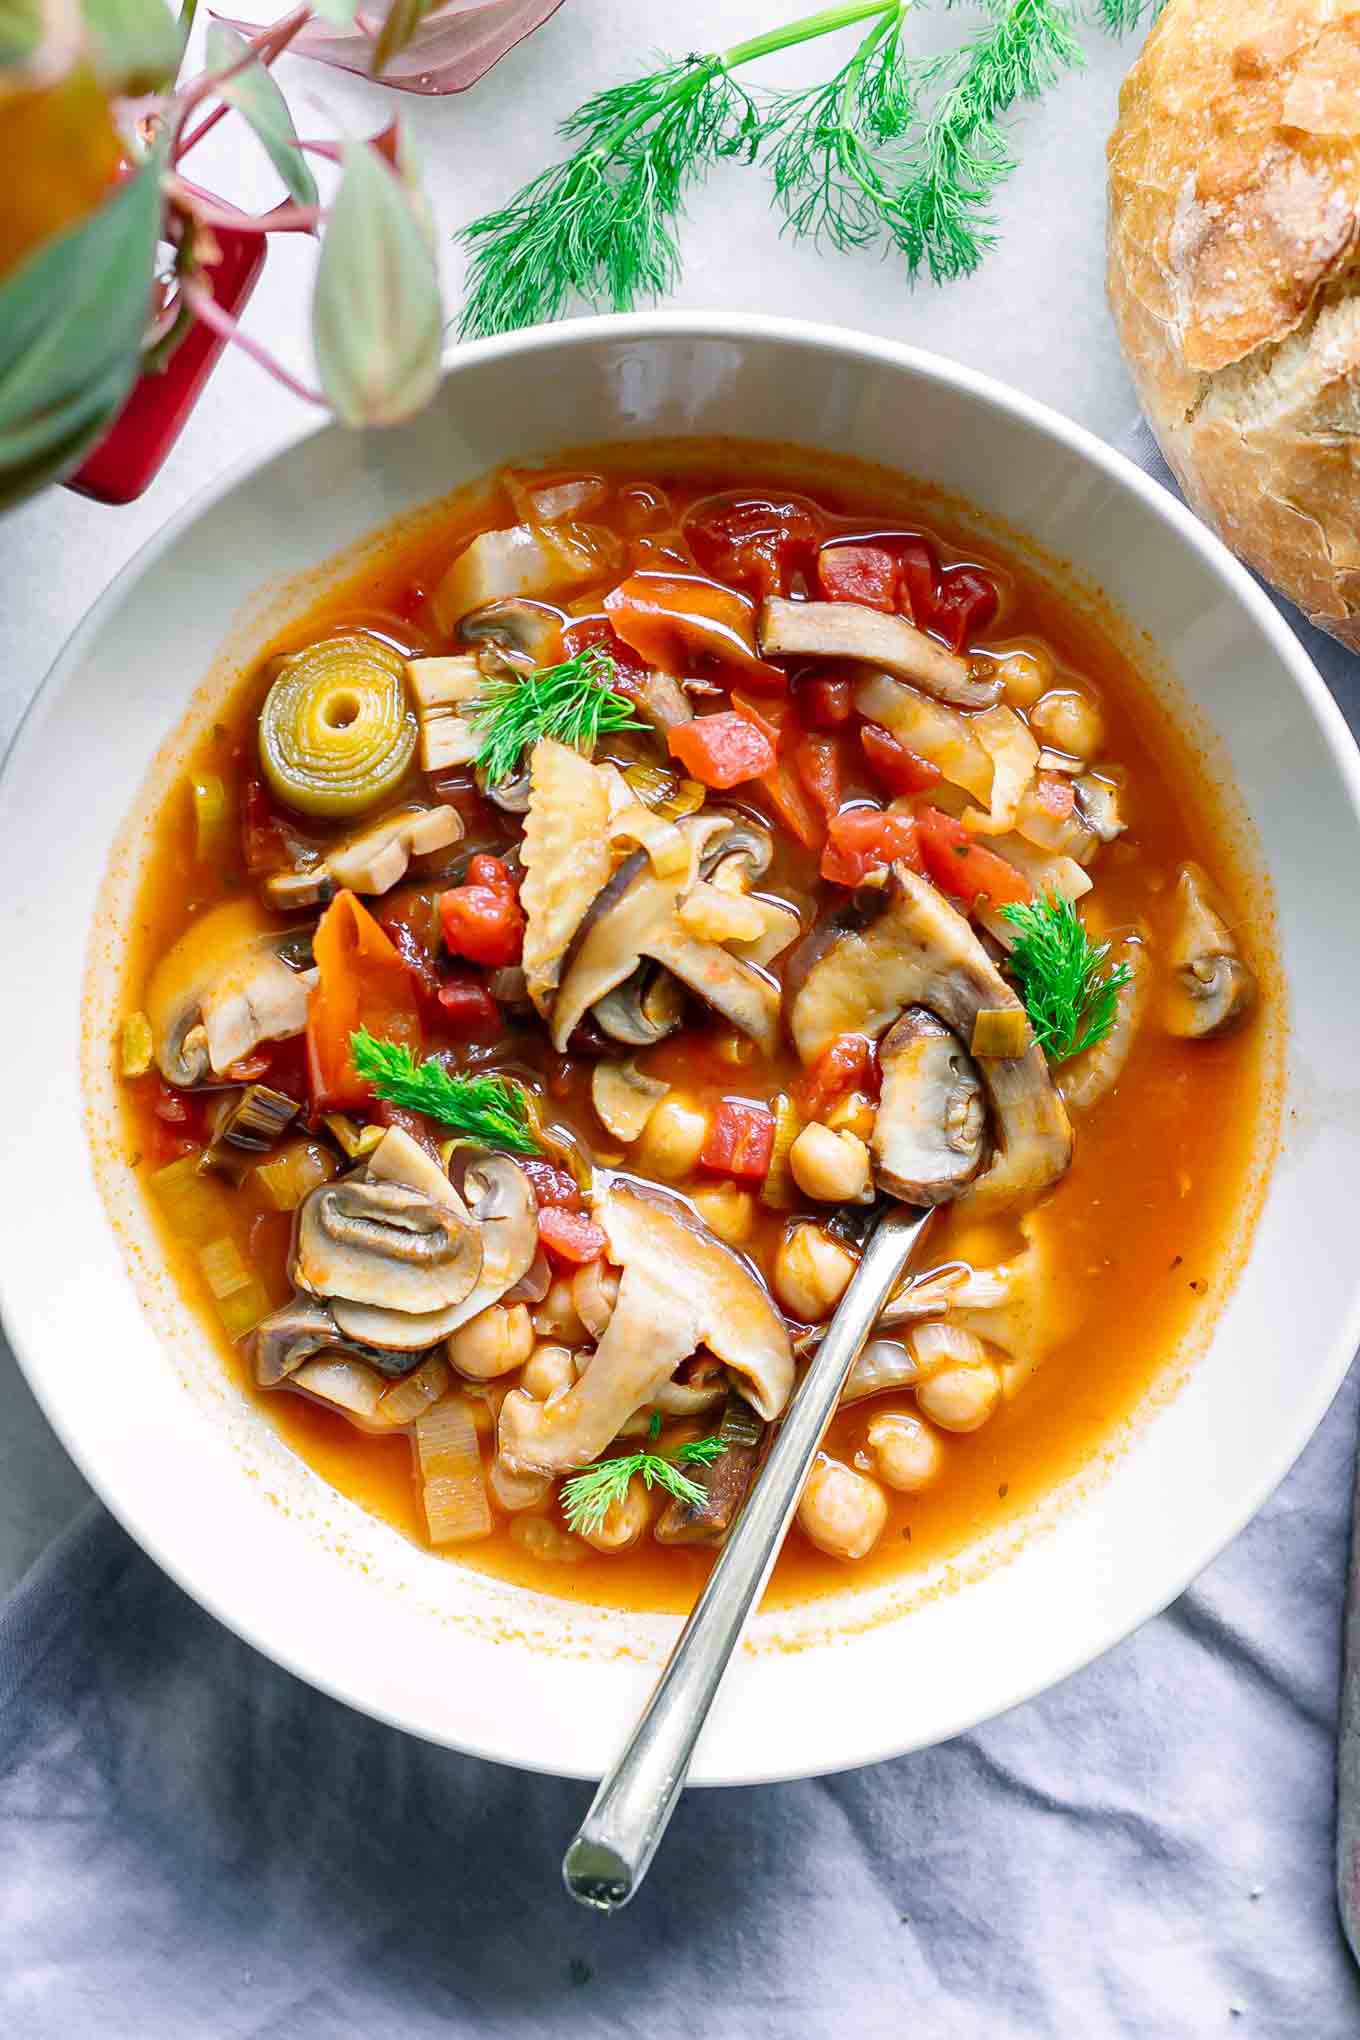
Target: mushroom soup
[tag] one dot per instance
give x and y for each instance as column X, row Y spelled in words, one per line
column 572, row 931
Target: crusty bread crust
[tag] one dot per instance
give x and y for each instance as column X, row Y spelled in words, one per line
column 1234, row 279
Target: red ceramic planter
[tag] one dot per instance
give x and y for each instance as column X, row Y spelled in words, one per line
column 129, row 457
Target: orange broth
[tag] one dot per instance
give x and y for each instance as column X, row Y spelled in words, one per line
column 1149, row 1222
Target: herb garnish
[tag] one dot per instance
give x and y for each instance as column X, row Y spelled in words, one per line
column 492, row 1110
column 906, row 153
column 1070, row 995
column 573, row 702
column 588, row 1497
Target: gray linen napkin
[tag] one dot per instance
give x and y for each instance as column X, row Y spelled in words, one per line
column 197, row 1847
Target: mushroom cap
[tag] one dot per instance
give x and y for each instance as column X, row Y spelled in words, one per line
column 369, row 860
column 849, row 630
column 908, row 946
column 645, row 1008
column 930, row 1132
column 736, row 1319
column 1212, row 989
column 222, row 990
column 386, row 1245
column 566, row 859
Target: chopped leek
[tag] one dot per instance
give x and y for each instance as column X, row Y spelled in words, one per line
column 456, row 1507
column 337, row 730
column 136, row 1046
column 194, row 1206
column 257, row 1118
column 1000, row 1032
column 240, row 1297
column 408, row 1399
column 779, row 1191
column 288, row 1176
column 212, row 815
column 357, row 1141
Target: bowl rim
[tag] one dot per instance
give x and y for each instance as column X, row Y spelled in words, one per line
column 1123, row 474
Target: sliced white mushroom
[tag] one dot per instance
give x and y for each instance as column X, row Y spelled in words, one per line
column 849, row 630
column 372, row 860
column 1212, row 990
column 303, row 1328
column 624, row 1098
column 442, row 689
column 1088, row 1077
column 931, row 1127
column 910, row 947
column 222, row 990
column 566, row 858
column 385, row 1245
column 1015, row 758
column 645, row 1008
column 527, row 634
column 679, row 1288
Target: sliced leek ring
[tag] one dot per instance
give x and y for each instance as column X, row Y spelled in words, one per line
column 337, row 730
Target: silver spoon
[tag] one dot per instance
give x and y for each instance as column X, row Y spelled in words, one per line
column 616, row 1841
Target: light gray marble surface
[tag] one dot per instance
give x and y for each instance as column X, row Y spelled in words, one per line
column 1034, row 315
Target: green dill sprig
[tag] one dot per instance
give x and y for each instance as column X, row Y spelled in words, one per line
column 573, row 702
column 943, row 220
column 491, row 1110
column 1070, row 995
column 831, row 150
column 588, row 1497
column 602, row 224
column 1121, row 17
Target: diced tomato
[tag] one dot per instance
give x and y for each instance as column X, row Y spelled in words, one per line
column 410, row 916
column 759, row 542
column 964, row 606
column 858, row 573
column 249, row 1069
column 817, row 761
column 918, row 576
column 680, row 622
column 467, row 1008
column 825, row 704
column 569, row 1237
column 722, row 750
column 962, row 868
column 1055, row 794
column 410, row 604
column 861, row 840
column 630, row 670
column 896, row 768
column 482, row 917
column 555, row 1189
column 425, row 1132
column 740, row 1142
column 177, row 1108
column 264, row 844
column 848, row 1063
column 781, row 786
column 362, row 982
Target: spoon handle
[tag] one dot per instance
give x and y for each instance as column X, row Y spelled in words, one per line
column 609, row 1856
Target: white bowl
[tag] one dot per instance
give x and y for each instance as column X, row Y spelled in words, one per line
column 138, row 1395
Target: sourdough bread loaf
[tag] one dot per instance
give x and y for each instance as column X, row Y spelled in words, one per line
column 1234, row 279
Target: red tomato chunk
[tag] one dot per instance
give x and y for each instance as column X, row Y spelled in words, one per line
column 846, row 1064
column 467, row 1006
column 817, row 761
column 858, row 573
column 962, row 868
column 553, row 1187
column 740, row 1142
column 482, row 918
column 722, row 750
column 861, row 840
column 825, row 704
column 965, row 605
column 897, row 769
column 570, row 1237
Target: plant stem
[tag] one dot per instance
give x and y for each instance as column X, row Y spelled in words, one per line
column 270, row 43
column 825, row 22
column 204, row 306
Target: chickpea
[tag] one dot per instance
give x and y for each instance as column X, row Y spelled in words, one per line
column 960, row 1398
column 549, row 1370
column 557, row 1316
column 811, row 1272
column 842, row 1512
column 624, row 1522
column 494, row 1342
column 594, row 1292
column 832, row 1167
column 544, row 1539
column 903, row 1450
column 1068, row 721
column 671, row 1140
column 854, row 1113
column 727, row 1211
column 1024, row 676
column 515, row 1491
